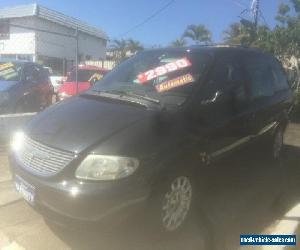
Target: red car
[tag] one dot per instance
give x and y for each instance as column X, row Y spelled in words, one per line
column 87, row 75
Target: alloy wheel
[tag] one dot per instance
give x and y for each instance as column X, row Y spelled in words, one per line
column 176, row 203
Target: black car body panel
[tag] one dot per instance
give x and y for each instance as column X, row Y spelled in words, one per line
column 93, row 119
column 219, row 116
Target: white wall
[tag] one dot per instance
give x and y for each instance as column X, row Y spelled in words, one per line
column 53, row 45
column 92, row 46
column 21, row 41
column 26, row 41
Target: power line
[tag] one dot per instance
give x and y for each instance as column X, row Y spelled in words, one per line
column 148, row 18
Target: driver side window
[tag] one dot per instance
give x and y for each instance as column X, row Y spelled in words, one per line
column 226, row 74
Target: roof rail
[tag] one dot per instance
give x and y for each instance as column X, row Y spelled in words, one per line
column 220, row 45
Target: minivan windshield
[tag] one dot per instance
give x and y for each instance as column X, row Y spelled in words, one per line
column 166, row 76
column 10, row 71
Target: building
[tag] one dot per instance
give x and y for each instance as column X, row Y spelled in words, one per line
column 42, row 35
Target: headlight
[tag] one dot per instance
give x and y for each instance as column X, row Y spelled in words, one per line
column 104, row 167
column 17, row 141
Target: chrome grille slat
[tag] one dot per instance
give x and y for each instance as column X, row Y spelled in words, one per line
column 41, row 159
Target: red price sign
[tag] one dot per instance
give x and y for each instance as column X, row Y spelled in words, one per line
column 164, row 69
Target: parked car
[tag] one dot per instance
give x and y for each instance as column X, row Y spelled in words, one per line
column 24, row 87
column 140, row 139
column 56, row 80
column 87, row 75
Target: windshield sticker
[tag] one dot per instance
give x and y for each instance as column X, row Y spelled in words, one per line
column 174, row 83
column 164, row 69
column 6, row 65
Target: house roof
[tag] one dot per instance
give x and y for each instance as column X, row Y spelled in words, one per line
column 50, row 15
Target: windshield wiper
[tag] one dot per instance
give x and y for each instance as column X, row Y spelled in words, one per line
column 124, row 93
column 125, row 98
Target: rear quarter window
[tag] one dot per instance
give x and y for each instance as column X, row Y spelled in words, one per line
column 260, row 76
column 280, row 78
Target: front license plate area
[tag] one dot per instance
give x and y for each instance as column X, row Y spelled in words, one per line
column 25, row 189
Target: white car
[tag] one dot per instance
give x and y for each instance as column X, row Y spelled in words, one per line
column 56, row 82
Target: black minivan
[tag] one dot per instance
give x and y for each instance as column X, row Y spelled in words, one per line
column 139, row 137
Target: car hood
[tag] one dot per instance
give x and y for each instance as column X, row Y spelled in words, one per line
column 80, row 123
column 6, row 85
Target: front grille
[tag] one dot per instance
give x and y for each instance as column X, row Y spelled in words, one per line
column 43, row 160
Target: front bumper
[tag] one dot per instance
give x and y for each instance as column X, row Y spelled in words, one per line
column 72, row 200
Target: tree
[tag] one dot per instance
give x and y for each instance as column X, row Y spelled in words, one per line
column 234, row 34
column 119, row 48
column 242, row 33
column 122, row 49
column 282, row 12
column 296, row 4
column 283, row 40
column 180, row 42
column 134, row 46
column 197, row 33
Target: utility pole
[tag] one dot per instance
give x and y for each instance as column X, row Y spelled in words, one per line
column 76, row 60
column 256, row 13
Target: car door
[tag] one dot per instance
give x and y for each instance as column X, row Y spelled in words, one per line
column 260, row 83
column 223, row 107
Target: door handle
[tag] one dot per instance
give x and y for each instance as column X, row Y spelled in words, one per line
column 213, row 99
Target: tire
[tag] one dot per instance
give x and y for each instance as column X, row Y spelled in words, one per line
column 173, row 197
column 192, row 216
column 176, row 203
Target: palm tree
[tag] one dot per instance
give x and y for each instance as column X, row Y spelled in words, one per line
column 198, row 33
column 234, row 34
column 240, row 34
column 119, row 49
column 134, row 46
column 179, row 42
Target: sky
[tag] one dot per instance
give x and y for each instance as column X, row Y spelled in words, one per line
column 116, row 16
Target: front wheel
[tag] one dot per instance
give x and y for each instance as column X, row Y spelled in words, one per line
column 176, row 203
column 175, row 209
column 170, row 206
